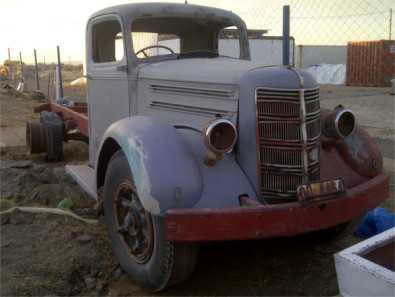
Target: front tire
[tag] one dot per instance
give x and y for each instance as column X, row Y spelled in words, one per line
column 138, row 237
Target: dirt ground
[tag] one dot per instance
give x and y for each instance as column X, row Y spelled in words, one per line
column 54, row 255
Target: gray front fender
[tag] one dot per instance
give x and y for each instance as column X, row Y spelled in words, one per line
column 164, row 170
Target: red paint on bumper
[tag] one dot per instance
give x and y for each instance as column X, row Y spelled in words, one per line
column 274, row 220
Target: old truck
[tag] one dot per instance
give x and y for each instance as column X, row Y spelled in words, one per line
column 189, row 145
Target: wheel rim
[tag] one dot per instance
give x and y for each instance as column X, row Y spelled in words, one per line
column 133, row 223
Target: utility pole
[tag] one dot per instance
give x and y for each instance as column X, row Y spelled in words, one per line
column 286, row 34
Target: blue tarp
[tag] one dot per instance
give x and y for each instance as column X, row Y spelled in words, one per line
column 375, row 222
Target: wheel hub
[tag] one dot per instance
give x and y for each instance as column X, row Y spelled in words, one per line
column 134, row 224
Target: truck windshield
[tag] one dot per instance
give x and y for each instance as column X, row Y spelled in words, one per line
column 156, row 38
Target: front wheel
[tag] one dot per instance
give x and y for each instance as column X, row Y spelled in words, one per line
column 138, row 237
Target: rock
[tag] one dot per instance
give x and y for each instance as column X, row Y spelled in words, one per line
column 21, row 164
column 90, row 283
column 18, row 164
column 83, row 238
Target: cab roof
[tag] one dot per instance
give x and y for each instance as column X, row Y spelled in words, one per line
column 139, row 10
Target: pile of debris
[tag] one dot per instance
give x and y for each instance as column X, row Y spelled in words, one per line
column 47, row 250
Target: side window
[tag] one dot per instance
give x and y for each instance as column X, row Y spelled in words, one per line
column 119, row 47
column 229, row 42
column 107, row 42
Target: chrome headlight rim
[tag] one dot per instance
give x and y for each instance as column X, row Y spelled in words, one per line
column 338, row 119
column 209, row 130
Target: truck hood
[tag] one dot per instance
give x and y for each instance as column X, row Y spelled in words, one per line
column 209, row 70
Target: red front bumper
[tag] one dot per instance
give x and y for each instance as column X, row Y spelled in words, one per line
column 274, row 220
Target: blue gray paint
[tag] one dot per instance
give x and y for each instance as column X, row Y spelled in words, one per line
column 164, row 171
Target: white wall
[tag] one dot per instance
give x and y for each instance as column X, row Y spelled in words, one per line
column 267, row 51
column 307, row 55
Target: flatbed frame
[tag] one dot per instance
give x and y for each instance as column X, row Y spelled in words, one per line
column 74, row 117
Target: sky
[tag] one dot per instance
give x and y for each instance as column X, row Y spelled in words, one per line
column 43, row 24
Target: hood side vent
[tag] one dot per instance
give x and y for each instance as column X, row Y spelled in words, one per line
column 189, row 109
column 207, row 93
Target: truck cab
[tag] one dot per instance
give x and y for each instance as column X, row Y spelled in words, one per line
column 191, row 141
column 159, row 60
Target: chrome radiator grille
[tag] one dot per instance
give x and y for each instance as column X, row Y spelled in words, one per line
column 281, row 150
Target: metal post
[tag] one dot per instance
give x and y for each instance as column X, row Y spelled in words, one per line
column 20, row 59
column 301, row 56
column 36, row 69
column 10, row 65
column 286, row 35
column 49, row 84
column 59, row 69
column 390, row 30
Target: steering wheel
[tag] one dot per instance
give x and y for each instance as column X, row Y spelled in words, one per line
column 153, row 46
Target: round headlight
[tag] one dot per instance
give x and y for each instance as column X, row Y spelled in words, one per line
column 338, row 124
column 220, row 136
column 345, row 122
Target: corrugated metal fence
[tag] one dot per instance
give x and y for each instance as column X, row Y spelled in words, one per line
column 370, row 63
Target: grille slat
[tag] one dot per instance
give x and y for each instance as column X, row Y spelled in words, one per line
column 280, row 143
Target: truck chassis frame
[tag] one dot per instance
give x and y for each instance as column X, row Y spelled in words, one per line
column 252, row 220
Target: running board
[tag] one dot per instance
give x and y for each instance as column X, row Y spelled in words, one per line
column 84, row 176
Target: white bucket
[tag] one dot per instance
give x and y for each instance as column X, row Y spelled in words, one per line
column 20, row 87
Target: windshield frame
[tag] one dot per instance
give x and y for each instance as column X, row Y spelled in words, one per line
column 244, row 52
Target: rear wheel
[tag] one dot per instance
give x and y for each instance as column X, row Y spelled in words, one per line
column 46, row 136
column 36, row 139
column 138, row 237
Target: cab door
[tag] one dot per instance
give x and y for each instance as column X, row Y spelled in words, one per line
column 107, row 78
